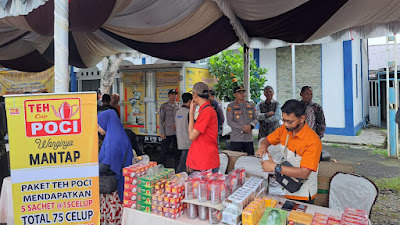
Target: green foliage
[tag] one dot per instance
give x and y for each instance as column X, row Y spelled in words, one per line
column 382, row 152
column 387, row 183
column 227, row 67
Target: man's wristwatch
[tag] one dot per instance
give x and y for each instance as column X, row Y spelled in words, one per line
column 278, row 168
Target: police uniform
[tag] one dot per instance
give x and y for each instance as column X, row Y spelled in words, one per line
column 167, row 127
column 239, row 114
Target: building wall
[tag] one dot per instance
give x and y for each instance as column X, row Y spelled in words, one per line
column 365, row 72
column 357, row 83
column 268, row 61
column 333, row 84
column 308, row 71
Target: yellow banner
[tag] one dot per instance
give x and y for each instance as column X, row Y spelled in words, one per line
column 194, row 75
column 135, row 91
column 54, row 158
column 16, row 82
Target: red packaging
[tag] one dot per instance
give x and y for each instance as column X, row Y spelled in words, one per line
column 318, row 223
column 130, row 171
column 130, row 188
column 358, row 221
column 334, row 218
column 131, row 180
column 356, row 212
column 173, row 213
column 166, row 212
column 160, row 210
column 166, row 201
column 132, row 196
column 333, row 222
column 129, row 204
column 154, row 199
column 154, row 209
column 160, row 200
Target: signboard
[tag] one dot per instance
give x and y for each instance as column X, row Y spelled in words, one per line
column 16, row 82
column 54, row 158
column 135, row 92
column 194, row 75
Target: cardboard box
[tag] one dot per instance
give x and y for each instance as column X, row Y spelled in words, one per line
column 325, row 173
column 233, row 156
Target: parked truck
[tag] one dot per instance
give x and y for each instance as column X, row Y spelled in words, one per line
column 145, row 88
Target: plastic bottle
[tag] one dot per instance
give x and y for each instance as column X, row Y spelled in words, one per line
column 179, row 178
column 154, row 171
column 144, row 159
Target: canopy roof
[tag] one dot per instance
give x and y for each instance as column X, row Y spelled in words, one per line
column 183, row 30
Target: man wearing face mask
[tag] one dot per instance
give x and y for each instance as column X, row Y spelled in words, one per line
column 304, row 150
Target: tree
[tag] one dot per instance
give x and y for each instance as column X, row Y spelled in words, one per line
column 110, row 68
column 227, row 67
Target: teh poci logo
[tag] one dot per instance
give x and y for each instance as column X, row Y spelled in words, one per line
column 49, row 117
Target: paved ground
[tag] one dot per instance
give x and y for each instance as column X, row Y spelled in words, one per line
column 365, row 162
column 368, row 137
column 387, row 207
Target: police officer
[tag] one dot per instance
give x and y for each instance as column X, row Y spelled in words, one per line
column 242, row 118
column 167, row 128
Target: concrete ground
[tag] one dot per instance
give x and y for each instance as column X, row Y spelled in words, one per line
column 369, row 137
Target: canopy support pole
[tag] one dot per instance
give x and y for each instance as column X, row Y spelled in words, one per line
column 246, row 71
column 387, row 96
column 396, row 94
column 293, row 70
column 61, row 28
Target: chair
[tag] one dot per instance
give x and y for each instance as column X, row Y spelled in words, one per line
column 252, row 166
column 224, row 160
column 353, row 191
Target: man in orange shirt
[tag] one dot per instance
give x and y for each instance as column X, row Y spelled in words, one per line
column 304, row 151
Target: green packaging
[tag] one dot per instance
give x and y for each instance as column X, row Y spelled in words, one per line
column 273, row 216
column 143, row 207
column 142, row 198
column 147, row 181
column 145, row 191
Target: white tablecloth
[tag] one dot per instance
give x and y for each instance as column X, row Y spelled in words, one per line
column 136, row 217
column 6, row 203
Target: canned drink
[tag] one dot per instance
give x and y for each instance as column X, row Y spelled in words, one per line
column 192, row 211
column 203, row 212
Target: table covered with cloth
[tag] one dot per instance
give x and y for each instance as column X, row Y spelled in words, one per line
column 110, row 207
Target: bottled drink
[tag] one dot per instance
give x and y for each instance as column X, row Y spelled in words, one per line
column 144, row 159
column 179, row 178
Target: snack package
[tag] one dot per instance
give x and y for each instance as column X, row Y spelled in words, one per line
column 130, row 196
column 214, row 215
column 129, row 204
column 203, row 212
column 192, row 210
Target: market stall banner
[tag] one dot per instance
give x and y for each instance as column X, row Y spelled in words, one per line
column 16, row 82
column 54, row 158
